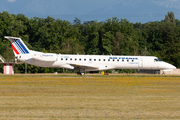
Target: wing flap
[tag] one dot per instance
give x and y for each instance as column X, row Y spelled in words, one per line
column 82, row 66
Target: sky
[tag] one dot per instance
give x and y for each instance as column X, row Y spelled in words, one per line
column 11, row 0
column 97, row 10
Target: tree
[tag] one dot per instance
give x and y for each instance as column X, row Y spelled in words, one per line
column 93, row 39
column 77, row 21
column 117, row 43
column 170, row 17
column 113, row 36
column 107, row 43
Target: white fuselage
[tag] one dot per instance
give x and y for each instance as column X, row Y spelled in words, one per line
column 95, row 62
column 85, row 62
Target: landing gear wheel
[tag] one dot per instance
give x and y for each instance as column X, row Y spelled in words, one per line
column 82, row 73
column 163, row 73
column 79, row 73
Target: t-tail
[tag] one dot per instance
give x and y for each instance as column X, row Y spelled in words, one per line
column 18, row 46
column 22, row 52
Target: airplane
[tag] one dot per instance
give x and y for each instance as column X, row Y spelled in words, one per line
column 85, row 63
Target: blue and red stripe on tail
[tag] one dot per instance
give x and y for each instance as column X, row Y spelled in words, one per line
column 18, row 45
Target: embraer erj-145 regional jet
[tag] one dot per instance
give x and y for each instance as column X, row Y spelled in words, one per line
column 85, row 63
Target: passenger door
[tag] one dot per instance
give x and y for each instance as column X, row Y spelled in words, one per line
column 140, row 62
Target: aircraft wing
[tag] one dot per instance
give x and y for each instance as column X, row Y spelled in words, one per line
column 82, row 66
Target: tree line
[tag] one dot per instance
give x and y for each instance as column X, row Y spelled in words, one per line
column 112, row 36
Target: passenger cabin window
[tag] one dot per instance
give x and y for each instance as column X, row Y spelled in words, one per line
column 84, row 59
column 75, row 59
column 118, row 60
column 66, row 59
column 108, row 59
column 79, row 59
column 89, row 59
column 99, row 59
column 70, row 58
column 104, row 59
column 94, row 59
column 127, row 60
column 61, row 58
column 132, row 60
column 122, row 60
column 113, row 59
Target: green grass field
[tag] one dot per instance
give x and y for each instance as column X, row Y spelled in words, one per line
column 89, row 97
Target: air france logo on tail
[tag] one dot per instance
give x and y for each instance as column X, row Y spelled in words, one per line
column 19, row 47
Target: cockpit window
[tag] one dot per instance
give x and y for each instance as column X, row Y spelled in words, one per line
column 157, row 60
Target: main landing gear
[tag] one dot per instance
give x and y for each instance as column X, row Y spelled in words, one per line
column 81, row 72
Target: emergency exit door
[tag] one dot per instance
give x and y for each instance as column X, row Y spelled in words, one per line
column 140, row 63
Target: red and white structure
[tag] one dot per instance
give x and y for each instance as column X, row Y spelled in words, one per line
column 8, row 65
column 8, row 68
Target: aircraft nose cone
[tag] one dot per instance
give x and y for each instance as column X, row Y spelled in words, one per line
column 168, row 66
column 171, row 66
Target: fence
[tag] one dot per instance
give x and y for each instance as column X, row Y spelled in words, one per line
column 13, row 61
column 148, row 71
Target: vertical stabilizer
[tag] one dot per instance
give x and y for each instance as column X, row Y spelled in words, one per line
column 18, row 45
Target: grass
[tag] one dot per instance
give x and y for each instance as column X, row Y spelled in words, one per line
column 89, row 97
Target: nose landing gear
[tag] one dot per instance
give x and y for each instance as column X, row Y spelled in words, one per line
column 163, row 73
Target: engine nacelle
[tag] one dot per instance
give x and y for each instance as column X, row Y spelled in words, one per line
column 46, row 57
